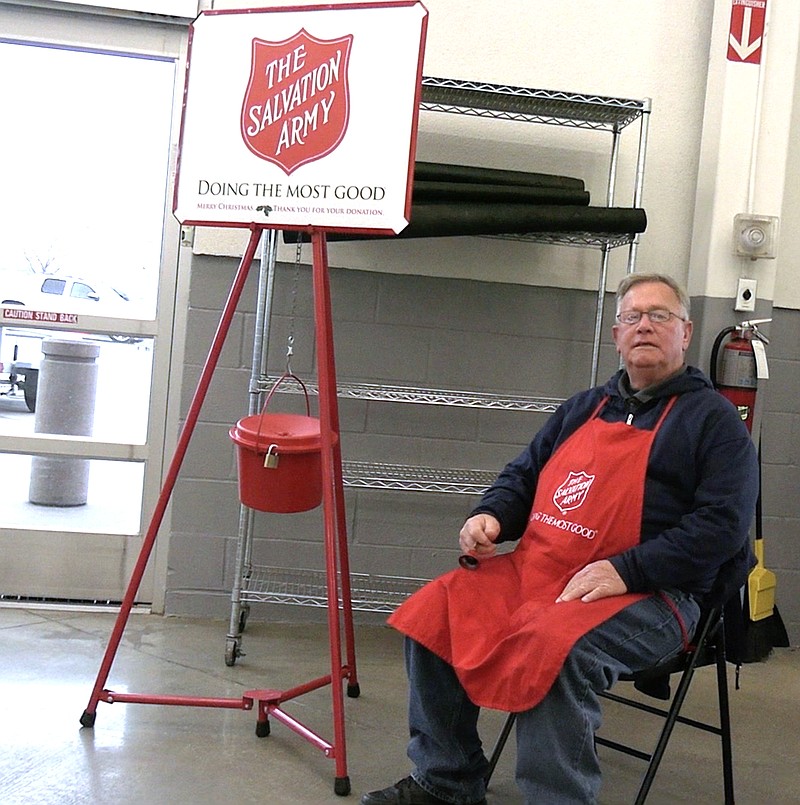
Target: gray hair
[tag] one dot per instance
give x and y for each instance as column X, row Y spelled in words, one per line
column 629, row 280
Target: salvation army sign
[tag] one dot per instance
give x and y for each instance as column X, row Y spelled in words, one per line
column 301, row 117
column 306, row 120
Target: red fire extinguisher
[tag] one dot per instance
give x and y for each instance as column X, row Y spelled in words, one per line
column 735, row 373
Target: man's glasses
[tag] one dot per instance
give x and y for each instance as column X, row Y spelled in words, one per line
column 656, row 316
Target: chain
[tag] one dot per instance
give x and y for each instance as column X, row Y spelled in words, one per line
column 295, row 280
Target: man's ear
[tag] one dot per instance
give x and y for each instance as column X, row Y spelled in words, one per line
column 688, row 328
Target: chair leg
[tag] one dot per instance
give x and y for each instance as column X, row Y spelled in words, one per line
column 724, row 722
column 666, row 732
column 499, row 746
column 672, row 717
column 673, row 714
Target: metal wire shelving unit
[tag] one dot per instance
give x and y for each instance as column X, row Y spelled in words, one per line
column 369, row 475
column 306, row 587
column 570, row 109
column 375, row 593
column 507, row 102
column 423, row 396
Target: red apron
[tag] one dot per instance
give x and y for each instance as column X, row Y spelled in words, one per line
column 499, row 626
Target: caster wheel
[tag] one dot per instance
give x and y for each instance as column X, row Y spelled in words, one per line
column 244, row 612
column 262, row 729
column 232, row 652
column 354, row 691
column 341, row 786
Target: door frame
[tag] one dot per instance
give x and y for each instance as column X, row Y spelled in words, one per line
column 152, row 37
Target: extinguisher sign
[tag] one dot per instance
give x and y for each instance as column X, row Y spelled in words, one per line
column 746, row 34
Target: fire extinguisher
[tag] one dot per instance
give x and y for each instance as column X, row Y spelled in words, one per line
column 735, row 374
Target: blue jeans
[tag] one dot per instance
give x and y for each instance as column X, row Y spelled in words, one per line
column 556, row 759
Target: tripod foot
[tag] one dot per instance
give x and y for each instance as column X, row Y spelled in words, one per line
column 88, row 719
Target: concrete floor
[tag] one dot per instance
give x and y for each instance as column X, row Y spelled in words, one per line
column 163, row 754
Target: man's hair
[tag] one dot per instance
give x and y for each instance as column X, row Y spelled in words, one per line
column 629, row 280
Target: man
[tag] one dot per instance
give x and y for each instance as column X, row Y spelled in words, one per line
column 626, row 505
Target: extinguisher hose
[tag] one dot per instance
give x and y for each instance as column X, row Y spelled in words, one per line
column 715, row 353
column 759, row 518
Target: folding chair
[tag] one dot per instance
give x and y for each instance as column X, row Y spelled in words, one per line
column 707, row 648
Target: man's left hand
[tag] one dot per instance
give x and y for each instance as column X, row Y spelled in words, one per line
column 597, row 580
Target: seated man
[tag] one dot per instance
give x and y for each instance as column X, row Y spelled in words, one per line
column 625, row 504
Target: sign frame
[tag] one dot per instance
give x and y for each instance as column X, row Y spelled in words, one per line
column 315, row 78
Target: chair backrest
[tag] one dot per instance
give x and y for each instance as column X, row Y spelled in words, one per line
column 726, row 596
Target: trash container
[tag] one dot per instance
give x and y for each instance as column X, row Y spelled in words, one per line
column 64, row 405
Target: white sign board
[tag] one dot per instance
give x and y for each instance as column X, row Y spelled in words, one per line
column 302, row 117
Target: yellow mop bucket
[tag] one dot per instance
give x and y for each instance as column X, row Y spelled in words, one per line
column 279, row 458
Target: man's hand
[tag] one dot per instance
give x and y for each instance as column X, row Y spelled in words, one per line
column 478, row 535
column 597, row 580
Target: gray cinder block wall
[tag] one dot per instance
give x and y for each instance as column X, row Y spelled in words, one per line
column 414, row 331
column 781, row 465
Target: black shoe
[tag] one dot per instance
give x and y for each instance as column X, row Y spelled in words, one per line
column 405, row 792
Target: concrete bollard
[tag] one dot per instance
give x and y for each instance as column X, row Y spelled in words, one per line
column 64, row 405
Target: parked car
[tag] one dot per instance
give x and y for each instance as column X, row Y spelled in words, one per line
column 63, row 294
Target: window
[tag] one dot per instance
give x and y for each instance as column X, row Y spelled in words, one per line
column 54, row 286
column 80, row 290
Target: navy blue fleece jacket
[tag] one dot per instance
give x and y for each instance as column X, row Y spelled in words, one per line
column 700, row 490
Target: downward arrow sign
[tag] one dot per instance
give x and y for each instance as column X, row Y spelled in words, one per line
column 744, row 47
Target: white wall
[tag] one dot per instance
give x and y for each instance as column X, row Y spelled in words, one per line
column 618, row 48
column 745, row 146
column 787, row 281
column 659, row 49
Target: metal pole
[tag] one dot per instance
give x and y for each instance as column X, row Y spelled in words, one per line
column 598, row 321
column 332, row 495
column 244, row 540
column 639, row 182
column 601, row 285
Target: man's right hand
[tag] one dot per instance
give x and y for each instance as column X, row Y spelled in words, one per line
column 478, row 535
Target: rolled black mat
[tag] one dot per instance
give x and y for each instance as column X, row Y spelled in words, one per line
column 440, row 172
column 426, row 191
column 431, row 220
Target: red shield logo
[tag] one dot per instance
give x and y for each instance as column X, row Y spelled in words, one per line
column 297, row 104
column 572, row 492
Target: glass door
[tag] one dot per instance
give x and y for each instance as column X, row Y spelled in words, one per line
column 88, row 272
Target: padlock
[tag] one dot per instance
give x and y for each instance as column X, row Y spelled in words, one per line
column 271, row 458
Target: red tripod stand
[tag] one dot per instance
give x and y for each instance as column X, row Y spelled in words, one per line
column 268, row 702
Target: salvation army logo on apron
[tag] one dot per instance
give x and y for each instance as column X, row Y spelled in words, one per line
column 297, row 104
column 571, row 494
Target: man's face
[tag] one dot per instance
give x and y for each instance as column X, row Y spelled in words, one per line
column 652, row 351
